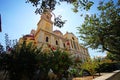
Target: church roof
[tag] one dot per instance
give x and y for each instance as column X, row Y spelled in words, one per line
column 58, row 32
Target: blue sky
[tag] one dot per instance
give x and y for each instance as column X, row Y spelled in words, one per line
column 18, row 18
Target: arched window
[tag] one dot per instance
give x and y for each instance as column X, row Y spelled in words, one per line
column 74, row 45
column 73, row 38
column 64, row 45
column 47, row 39
column 56, row 42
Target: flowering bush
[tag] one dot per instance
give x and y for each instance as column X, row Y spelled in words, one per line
column 26, row 62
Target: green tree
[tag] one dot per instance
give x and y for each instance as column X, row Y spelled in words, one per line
column 50, row 4
column 75, row 68
column 90, row 65
column 21, row 62
column 2, row 57
column 102, row 30
column 1, row 49
column 27, row 62
column 113, row 57
column 60, row 63
column 44, row 65
column 42, row 5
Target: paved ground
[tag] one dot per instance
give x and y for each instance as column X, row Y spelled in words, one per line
column 85, row 78
column 109, row 76
column 103, row 76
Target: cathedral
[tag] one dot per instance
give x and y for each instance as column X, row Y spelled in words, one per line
column 48, row 38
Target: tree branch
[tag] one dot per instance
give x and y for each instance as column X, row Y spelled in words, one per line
column 113, row 52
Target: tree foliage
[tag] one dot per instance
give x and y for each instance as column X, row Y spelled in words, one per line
column 42, row 5
column 21, row 62
column 90, row 65
column 102, row 30
column 60, row 63
column 50, row 4
column 1, row 49
column 27, row 62
column 59, row 22
column 107, row 65
column 113, row 57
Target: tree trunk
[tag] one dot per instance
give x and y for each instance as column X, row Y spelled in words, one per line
column 93, row 76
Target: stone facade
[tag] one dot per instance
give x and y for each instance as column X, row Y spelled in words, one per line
column 47, row 38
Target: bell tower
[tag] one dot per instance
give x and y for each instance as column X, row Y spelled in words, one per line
column 45, row 22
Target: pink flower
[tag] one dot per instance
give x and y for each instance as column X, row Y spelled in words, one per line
column 53, row 48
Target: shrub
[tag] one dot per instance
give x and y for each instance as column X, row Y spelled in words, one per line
column 108, row 67
column 26, row 62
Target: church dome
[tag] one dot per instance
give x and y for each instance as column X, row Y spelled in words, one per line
column 57, row 32
column 32, row 32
